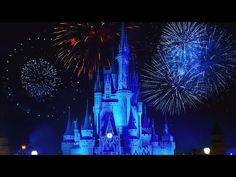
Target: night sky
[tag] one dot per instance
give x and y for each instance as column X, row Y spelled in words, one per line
column 44, row 125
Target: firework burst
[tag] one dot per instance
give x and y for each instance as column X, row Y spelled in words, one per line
column 169, row 89
column 183, row 39
column 218, row 60
column 83, row 46
column 196, row 61
column 39, row 78
column 19, row 79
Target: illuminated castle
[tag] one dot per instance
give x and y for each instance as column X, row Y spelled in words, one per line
column 119, row 126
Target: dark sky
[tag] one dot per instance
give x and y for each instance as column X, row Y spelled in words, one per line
column 191, row 130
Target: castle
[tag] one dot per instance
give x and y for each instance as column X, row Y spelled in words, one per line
column 120, row 126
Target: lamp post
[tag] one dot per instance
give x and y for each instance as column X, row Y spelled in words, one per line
column 23, row 148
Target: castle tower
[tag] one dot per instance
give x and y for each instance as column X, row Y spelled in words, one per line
column 139, row 121
column 123, row 94
column 68, row 138
column 87, row 129
column 167, row 144
column 87, row 141
column 76, row 146
column 76, row 131
column 107, row 83
column 123, row 59
column 154, row 141
column 146, row 123
column 133, row 141
column 135, row 99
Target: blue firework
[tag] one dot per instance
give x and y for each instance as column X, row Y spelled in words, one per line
column 218, row 60
column 183, row 40
column 170, row 89
column 39, row 78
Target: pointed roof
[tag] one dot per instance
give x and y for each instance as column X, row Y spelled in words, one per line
column 166, row 131
column 123, row 39
column 109, row 128
column 69, row 128
column 109, row 123
column 97, row 87
column 75, row 123
column 87, row 121
column 131, row 124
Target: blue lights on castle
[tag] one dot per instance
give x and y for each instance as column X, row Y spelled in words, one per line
column 120, row 124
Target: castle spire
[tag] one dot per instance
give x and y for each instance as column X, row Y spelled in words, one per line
column 87, row 121
column 97, row 87
column 166, row 131
column 123, row 59
column 153, row 126
column 75, row 123
column 69, row 129
column 124, row 47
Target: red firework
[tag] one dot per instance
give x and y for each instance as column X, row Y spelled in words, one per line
column 83, row 46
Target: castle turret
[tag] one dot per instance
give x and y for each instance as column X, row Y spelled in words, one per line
column 76, row 147
column 76, row 131
column 107, row 83
column 69, row 134
column 139, row 121
column 87, row 129
column 68, row 138
column 167, row 144
column 154, row 141
column 146, row 123
column 87, row 141
column 123, row 59
column 133, row 141
column 123, row 94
